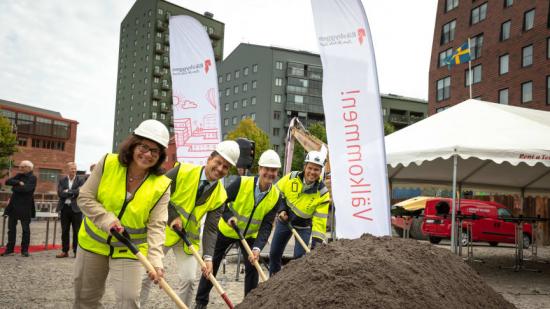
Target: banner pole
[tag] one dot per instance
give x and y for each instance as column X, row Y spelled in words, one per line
column 470, row 74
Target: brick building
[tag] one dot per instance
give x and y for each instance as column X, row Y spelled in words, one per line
column 510, row 49
column 45, row 138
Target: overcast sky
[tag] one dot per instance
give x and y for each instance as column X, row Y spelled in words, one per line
column 62, row 54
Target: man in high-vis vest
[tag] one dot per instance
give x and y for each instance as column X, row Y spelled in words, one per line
column 255, row 202
column 196, row 191
column 306, row 208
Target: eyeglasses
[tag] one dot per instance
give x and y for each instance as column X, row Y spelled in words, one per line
column 155, row 152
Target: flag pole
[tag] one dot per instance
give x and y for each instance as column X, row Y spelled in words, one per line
column 470, row 74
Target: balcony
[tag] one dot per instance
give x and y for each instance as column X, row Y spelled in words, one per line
column 307, row 108
column 156, row 72
column 158, row 49
column 166, row 63
column 155, row 94
column 165, row 85
column 214, row 36
column 166, row 40
column 164, row 108
column 291, row 71
column 397, row 118
column 160, row 25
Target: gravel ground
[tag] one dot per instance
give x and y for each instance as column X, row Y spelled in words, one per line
column 42, row 280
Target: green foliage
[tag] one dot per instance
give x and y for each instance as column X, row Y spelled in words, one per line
column 8, row 142
column 247, row 128
column 388, row 128
column 318, row 129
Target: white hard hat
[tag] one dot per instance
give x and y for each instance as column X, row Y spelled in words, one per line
column 270, row 158
column 229, row 150
column 153, row 130
column 315, row 157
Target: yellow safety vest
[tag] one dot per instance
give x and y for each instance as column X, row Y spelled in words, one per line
column 306, row 205
column 184, row 198
column 111, row 193
column 243, row 206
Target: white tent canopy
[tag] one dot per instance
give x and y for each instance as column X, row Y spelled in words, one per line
column 497, row 146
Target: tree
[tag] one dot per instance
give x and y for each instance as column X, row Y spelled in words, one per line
column 8, row 142
column 388, row 128
column 247, row 128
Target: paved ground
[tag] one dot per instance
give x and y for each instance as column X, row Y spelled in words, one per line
column 44, row 281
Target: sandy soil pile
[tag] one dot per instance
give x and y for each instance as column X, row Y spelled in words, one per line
column 373, row 272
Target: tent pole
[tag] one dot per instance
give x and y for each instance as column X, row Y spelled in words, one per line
column 453, row 213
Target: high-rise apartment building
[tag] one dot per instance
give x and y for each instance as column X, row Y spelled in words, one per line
column 510, row 51
column 271, row 85
column 144, row 82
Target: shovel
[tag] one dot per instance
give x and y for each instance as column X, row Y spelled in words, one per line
column 163, row 284
column 183, row 235
column 298, row 238
column 263, row 277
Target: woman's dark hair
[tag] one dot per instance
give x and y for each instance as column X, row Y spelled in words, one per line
column 126, row 153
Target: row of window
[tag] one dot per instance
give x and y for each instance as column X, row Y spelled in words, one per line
column 244, row 103
column 253, row 84
column 234, row 119
column 480, row 13
column 238, row 74
column 444, row 91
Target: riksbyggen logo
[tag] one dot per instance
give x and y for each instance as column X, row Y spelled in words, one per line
column 193, row 68
column 344, row 38
column 207, row 64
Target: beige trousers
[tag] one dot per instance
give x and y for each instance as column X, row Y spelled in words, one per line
column 90, row 274
column 186, row 269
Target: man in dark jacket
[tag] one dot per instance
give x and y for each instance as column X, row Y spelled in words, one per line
column 67, row 190
column 21, row 207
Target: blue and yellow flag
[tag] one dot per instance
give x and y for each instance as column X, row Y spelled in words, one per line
column 461, row 55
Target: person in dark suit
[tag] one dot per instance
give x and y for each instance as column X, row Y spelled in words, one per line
column 67, row 190
column 21, row 207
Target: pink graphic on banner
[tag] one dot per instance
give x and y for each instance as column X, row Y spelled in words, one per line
column 182, row 103
column 211, row 96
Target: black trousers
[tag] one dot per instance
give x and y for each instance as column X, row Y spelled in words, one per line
column 69, row 218
column 12, row 231
column 251, row 274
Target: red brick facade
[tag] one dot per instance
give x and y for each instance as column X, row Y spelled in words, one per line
column 48, row 146
column 492, row 49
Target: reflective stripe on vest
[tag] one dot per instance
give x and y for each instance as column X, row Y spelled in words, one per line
column 111, row 193
column 243, row 207
column 184, row 197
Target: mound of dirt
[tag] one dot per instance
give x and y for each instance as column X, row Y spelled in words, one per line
column 376, row 272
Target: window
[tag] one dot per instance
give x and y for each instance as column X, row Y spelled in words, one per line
column 508, row 3
column 440, row 109
column 443, row 88
column 235, row 105
column 478, row 14
column 276, row 115
column 527, row 92
column 162, row 116
column 220, row 79
column 227, row 77
column 245, row 87
column 527, row 56
column 245, row 71
column 476, row 45
column 276, row 131
column 22, row 141
column 299, row 99
column 276, row 147
column 255, row 68
column 226, row 122
column 154, row 115
column 277, row 98
column 253, row 116
column 278, row 65
column 227, row 92
column 503, row 96
column 234, row 120
column 450, row 4
column 444, row 55
column 253, row 101
column 503, row 64
column 476, row 75
column 237, row 74
column 243, row 116
column 49, row 175
column 528, row 20
column 245, row 103
column 278, row 81
column 548, row 48
column 448, row 33
column 548, row 89
column 226, row 107
column 505, row 30
column 236, row 89
column 254, row 84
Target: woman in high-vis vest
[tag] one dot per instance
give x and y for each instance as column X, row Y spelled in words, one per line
column 128, row 192
column 255, row 202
